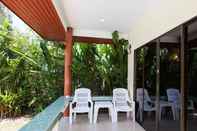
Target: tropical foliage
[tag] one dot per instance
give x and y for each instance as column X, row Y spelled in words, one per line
column 101, row 67
column 31, row 72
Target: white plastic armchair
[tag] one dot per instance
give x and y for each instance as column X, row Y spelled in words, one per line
column 122, row 103
column 82, row 103
column 145, row 103
column 174, row 96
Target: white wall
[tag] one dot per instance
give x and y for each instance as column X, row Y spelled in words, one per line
column 159, row 17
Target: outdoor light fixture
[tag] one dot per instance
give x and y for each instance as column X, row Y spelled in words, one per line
column 102, row 20
column 129, row 49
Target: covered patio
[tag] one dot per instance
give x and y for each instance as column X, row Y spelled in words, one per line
column 93, row 22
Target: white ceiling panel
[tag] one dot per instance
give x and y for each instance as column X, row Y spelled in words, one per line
column 100, row 15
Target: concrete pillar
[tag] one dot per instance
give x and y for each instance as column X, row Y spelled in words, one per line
column 68, row 65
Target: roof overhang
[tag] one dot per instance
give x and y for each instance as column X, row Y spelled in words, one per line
column 40, row 15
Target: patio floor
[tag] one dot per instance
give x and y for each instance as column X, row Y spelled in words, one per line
column 103, row 124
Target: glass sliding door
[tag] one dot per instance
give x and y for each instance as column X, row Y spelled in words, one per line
column 168, row 84
column 146, row 89
column 170, row 81
column 192, row 75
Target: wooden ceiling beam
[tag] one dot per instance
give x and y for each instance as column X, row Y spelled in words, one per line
column 92, row 40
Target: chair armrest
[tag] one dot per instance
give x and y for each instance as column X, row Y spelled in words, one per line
column 72, row 103
column 114, row 103
column 129, row 100
column 91, row 103
column 131, row 103
column 191, row 104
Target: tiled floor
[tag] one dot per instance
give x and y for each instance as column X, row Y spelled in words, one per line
column 168, row 124
column 103, row 124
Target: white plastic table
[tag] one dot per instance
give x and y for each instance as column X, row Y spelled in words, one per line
column 103, row 104
column 164, row 104
column 96, row 98
column 102, row 98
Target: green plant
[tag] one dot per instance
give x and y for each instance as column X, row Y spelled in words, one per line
column 102, row 67
column 32, row 70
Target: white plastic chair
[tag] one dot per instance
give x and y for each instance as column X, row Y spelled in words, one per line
column 122, row 103
column 82, row 103
column 174, row 96
column 144, row 99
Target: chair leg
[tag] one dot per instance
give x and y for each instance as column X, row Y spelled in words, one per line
column 90, row 115
column 128, row 114
column 140, row 112
column 109, row 109
column 75, row 115
column 115, row 116
column 177, row 114
column 133, row 113
column 133, row 116
column 70, row 117
column 70, row 113
column 160, row 112
column 112, row 114
column 95, row 114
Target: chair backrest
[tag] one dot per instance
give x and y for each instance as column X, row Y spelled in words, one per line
column 140, row 92
column 173, row 95
column 120, row 96
column 82, row 96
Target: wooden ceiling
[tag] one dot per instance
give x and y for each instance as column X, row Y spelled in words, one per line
column 40, row 15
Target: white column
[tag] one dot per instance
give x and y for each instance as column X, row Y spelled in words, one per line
column 130, row 76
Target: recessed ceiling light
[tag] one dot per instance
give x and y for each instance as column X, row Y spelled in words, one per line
column 102, row 20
